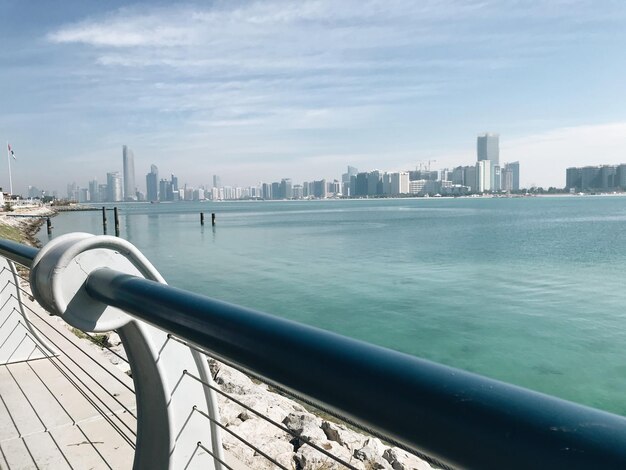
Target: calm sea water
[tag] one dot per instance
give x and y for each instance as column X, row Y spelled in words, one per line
column 529, row 291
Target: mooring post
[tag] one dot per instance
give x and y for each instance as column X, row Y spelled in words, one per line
column 212, row 218
column 104, row 218
column 49, row 225
column 201, row 218
column 117, row 222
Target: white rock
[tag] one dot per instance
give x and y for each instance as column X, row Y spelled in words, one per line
column 347, row 438
column 309, row 458
column 375, row 444
column 402, row 460
column 372, row 461
column 306, row 426
column 263, row 435
column 268, row 404
column 233, row 381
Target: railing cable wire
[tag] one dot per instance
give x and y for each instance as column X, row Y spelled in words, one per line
column 212, row 454
column 92, row 378
column 57, row 364
column 80, row 349
column 333, row 413
column 249, row 444
column 304, row 439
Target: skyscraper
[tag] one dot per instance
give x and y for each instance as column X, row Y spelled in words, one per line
column 174, row 181
column 286, row 189
column 130, row 189
column 114, row 186
column 152, row 184
column 94, row 193
column 483, row 176
column 488, row 148
column 165, row 190
column 513, row 168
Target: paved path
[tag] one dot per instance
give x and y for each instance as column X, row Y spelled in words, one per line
column 75, row 410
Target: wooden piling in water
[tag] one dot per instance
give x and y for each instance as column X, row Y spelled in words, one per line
column 49, row 225
column 104, row 218
column 201, row 218
column 212, row 218
column 117, row 222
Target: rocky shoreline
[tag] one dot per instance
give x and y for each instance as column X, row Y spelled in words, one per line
column 27, row 227
column 289, row 449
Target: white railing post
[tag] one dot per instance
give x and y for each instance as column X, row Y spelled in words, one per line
column 168, row 429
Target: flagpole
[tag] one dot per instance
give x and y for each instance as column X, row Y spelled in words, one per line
column 10, row 179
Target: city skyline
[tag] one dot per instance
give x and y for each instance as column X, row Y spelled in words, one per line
column 485, row 176
column 256, row 89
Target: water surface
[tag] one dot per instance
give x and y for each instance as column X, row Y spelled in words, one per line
column 524, row 290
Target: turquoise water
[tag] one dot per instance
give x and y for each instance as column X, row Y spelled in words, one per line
column 528, row 291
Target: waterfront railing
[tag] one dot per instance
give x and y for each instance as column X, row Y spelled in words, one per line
column 451, row 417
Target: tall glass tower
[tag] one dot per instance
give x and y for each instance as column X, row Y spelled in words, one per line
column 152, row 184
column 488, row 148
column 130, row 190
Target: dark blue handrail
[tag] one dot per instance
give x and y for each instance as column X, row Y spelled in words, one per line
column 459, row 418
column 17, row 252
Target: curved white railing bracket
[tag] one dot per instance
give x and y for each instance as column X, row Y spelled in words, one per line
column 168, row 430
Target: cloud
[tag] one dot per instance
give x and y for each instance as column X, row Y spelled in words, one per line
column 379, row 82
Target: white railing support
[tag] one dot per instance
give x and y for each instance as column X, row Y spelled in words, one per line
column 168, row 430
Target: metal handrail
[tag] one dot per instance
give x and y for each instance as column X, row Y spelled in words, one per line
column 457, row 417
column 17, row 252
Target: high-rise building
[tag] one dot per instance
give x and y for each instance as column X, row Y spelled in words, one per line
column 387, row 183
column 374, row 183
column 174, row 181
column 114, row 187
column 488, row 148
column 165, row 190
column 128, row 160
column 94, row 193
column 286, row 189
column 360, row 185
column 266, row 191
column 72, row 192
column 496, row 178
column 319, row 189
column 217, row 182
column 402, row 184
column 276, row 191
column 603, row 177
column 470, row 177
column 483, row 176
column 352, row 171
column 620, row 178
column 513, row 168
column 103, row 192
column 83, row 195
column 590, row 177
column 152, row 184
column 573, row 178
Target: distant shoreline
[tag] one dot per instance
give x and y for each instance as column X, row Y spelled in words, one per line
column 24, row 229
